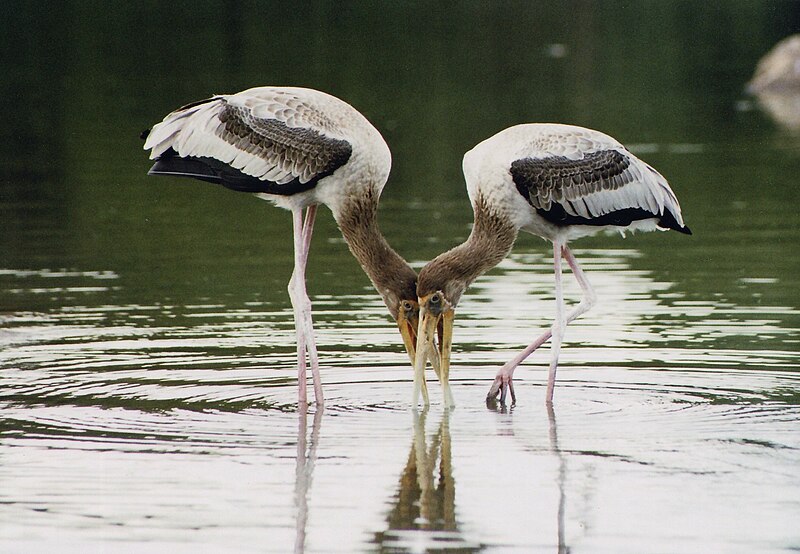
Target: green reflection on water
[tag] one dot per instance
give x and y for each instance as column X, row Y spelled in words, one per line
column 120, row 256
column 664, row 77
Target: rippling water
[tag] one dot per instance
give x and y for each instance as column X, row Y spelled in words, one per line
column 121, row 430
column 147, row 384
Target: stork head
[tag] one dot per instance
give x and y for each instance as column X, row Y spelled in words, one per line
column 406, row 314
column 445, row 278
column 408, row 323
column 398, row 287
column 439, row 288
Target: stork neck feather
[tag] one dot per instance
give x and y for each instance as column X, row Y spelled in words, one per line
column 490, row 241
column 391, row 275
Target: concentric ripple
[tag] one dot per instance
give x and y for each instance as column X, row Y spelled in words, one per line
column 150, row 421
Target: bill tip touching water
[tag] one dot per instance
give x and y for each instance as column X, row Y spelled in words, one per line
column 559, row 182
column 297, row 148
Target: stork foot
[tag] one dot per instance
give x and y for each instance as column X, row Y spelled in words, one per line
column 503, row 384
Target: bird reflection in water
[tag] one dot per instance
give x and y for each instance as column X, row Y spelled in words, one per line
column 423, row 516
column 306, row 458
column 502, row 408
column 562, row 477
column 783, row 107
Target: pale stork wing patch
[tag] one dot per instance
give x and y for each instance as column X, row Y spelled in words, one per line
column 564, row 191
column 272, row 157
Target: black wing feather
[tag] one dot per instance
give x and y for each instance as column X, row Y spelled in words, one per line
column 274, row 141
column 551, row 184
column 213, row 171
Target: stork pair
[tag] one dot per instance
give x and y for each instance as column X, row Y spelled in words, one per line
column 299, row 148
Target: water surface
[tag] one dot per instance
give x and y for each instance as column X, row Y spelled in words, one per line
column 147, row 381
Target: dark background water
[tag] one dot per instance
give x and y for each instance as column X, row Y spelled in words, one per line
column 150, row 315
column 83, row 79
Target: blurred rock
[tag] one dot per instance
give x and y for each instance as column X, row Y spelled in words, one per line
column 779, row 69
column 776, row 83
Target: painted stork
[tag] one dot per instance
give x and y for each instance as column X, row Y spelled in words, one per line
column 559, row 182
column 297, row 148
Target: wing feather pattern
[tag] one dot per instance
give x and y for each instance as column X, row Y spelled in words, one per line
column 605, row 187
column 262, row 140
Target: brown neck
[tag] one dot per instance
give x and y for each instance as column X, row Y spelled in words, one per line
column 489, row 242
column 391, row 275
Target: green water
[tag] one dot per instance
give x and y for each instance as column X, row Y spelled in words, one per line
column 147, row 384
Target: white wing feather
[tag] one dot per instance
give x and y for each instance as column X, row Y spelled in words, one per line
column 489, row 162
column 197, row 131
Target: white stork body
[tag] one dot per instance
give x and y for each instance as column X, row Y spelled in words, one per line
column 198, row 131
column 297, row 148
column 488, row 172
column 559, row 182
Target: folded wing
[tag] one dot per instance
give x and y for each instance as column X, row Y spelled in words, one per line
column 262, row 140
column 605, row 187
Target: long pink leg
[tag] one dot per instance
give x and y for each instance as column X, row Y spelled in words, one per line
column 311, row 342
column 589, row 297
column 558, row 325
column 294, row 295
column 302, row 305
column 503, row 382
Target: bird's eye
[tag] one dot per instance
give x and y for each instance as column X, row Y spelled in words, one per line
column 435, row 299
column 407, row 306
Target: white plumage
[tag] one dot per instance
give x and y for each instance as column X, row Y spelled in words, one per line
column 559, row 182
column 487, row 172
column 197, row 131
column 297, row 148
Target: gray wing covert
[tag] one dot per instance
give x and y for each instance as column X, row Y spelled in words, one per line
column 559, row 179
column 602, row 188
column 297, row 157
column 257, row 154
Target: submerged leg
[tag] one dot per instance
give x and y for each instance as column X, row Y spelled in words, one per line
column 302, row 305
column 503, row 382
